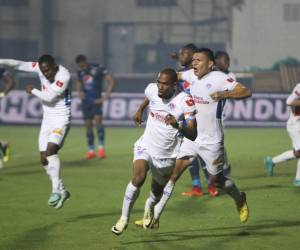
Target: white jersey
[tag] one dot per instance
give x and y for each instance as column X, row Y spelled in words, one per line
column 209, row 112
column 295, row 95
column 56, row 95
column 162, row 140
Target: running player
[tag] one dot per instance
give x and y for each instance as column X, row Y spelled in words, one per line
column 55, row 96
column 89, row 88
column 157, row 148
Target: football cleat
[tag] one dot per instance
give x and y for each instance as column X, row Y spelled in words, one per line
column 139, row 223
column 6, row 152
column 1, row 163
column 65, row 195
column 213, row 191
column 243, row 208
column 148, row 217
column 297, row 183
column 101, row 153
column 120, row 226
column 195, row 192
column 90, row 155
column 269, row 165
column 54, row 199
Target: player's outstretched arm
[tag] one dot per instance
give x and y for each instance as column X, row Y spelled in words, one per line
column 138, row 115
column 240, row 91
column 20, row 65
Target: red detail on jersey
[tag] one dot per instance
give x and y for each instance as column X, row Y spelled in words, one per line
column 297, row 93
column 186, row 85
column 190, row 102
column 59, row 84
column 34, row 64
column 230, row 80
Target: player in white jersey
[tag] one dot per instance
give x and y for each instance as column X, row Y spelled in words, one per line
column 157, row 148
column 293, row 128
column 209, row 90
column 55, row 96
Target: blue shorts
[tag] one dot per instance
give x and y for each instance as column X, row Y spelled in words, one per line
column 89, row 110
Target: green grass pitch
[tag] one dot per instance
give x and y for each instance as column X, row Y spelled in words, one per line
column 97, row 187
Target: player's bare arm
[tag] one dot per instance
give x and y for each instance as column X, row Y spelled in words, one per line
column 111, row 84
column 189, row 131
column 239, row 92
column 79, row 90
column 294, row 103
column 138, row 115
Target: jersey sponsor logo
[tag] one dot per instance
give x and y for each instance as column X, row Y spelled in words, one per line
column 199, row 100
column 190, row 102
column 59, row 84
column 230, row 80
column 34, row 64
column 158, row 117
column 87, row 79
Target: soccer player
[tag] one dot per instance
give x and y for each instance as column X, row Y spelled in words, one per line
column 55, row 97
column 89, row 88
column 209, row 90
column 293, row 128
column 157, row 148
column 9, row 84
column 185, row 57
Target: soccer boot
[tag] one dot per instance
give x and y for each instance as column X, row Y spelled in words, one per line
column 139, row 223
column 243, row 208
column 297, row 183
column 65, row 195
column 269, row 165
column 1, row 163
column 195, row 192
column 54, row 199
column 120, row 226
column 90, row 155
column 213, row 191
column 101, row 153
column 6, row 152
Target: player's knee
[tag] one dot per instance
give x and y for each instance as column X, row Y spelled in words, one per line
column 297, row 153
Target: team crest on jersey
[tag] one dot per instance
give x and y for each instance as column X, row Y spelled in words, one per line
column 208, row 85
column 171, row 106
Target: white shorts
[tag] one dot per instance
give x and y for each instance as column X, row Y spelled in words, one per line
column 293, row 128
column 54, row 130
column 161, row 169
column 211, row 154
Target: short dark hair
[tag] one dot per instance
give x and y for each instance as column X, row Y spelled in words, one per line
column 47, row 59
column 220, row 53
column 171, row 72
column 190, row 46
column 209, row 53
column 80, row 58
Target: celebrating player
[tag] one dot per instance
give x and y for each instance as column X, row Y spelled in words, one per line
column 55, row 96
column 293, row 128
column 209, row 90
column 89, row 88
column 157, row 148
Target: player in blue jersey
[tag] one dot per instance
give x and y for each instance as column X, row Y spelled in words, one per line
column 9, row 84
column 89, row 88
column 184, row 57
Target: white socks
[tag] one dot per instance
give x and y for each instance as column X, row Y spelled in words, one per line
column 159, row 207
column 130, row 197
column 288, row 155
column 151, row 201
column 52, row 170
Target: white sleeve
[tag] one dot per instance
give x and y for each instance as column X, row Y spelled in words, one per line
column 61, row 82
column 295, row 95
column 48, row 96
column 149, row 91
column 189, row 109
column 21, row 65
column 227, row 83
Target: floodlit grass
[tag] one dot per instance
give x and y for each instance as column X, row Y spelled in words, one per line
column 97, row 187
